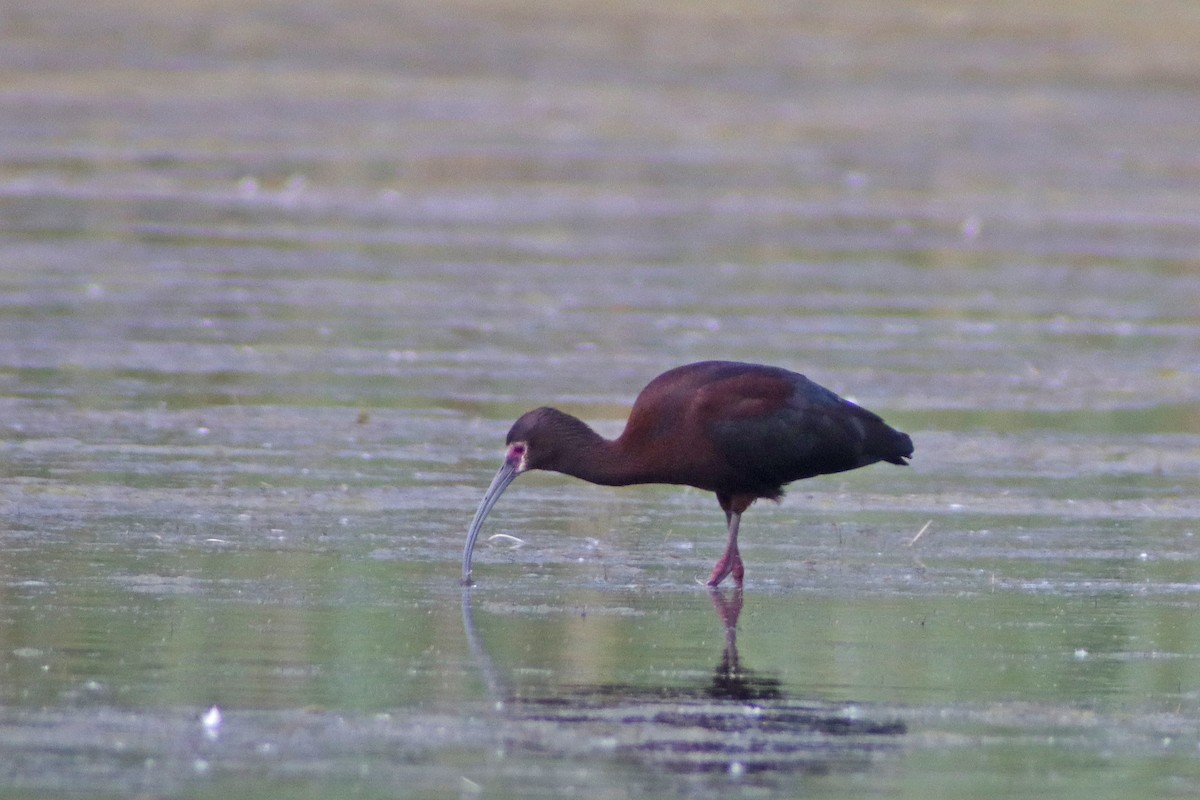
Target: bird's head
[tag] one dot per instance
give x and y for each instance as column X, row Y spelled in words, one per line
column 535, row 441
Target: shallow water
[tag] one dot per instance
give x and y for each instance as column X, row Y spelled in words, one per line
column 276, row 277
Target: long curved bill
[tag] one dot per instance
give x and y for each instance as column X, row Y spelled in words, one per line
column 508, row 471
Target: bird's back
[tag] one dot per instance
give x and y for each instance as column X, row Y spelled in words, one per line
column 747, row 428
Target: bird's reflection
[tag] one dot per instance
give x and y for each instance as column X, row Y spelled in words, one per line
column 738, row 723
column 730, row 681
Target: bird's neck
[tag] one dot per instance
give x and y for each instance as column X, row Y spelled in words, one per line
column 585, row 454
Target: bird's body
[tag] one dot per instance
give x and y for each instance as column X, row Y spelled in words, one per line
column 742, row 431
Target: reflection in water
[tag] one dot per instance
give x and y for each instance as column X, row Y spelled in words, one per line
column 730, row 681
column 739, row 723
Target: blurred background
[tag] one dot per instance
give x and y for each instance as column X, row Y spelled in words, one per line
column 275, row 277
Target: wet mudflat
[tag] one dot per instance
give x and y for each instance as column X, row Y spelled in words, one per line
column 276, row 277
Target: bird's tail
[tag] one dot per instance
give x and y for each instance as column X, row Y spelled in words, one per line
column 897, row 448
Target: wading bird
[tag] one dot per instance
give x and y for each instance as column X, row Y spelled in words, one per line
column 740, row 430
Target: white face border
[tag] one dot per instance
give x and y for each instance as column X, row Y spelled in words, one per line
column 517, row 455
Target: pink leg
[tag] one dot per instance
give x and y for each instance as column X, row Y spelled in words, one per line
column 731, row 560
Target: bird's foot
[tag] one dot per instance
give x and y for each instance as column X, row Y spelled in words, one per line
column 730, row 564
